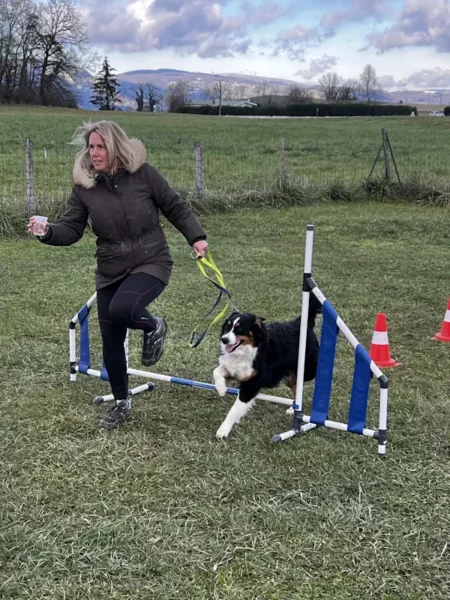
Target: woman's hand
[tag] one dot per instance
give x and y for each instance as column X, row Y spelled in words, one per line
column 34, row 229
column 200, row 247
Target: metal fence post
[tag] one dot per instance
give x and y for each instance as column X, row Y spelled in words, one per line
column 282, row 164
column 199, row 169
column 31, row 194
column 387, row 163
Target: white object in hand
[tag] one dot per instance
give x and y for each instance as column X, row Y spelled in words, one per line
column 39, row 225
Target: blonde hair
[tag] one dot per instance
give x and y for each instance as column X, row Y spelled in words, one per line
column 122, row 152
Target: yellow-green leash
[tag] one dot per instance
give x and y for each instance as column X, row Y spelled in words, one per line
column 207, row 262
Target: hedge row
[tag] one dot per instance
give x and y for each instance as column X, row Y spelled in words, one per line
column 354, row 109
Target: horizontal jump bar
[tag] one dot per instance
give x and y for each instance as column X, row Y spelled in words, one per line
column 341, row 426
column 191, row 383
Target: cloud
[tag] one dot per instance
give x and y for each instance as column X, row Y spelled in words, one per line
column 318, row 66
column 185, row 26
column 221, row 46
column 419, row 24
column 436, row 78
column 359, row 10
column 109, row 23
column 293, row 42
column 267, row 12
column 387, row 81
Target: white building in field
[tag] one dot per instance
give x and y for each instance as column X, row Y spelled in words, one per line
column 240, row 103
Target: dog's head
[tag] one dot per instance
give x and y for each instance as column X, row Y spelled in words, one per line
column 241, row 329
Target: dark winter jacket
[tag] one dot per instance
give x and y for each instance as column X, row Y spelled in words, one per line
column 124, row 213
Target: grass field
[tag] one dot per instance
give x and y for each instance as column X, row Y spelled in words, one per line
column 326, row 159
column 161, row 510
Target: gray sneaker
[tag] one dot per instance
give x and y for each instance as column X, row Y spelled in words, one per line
column 153, row 343
column 117, row 415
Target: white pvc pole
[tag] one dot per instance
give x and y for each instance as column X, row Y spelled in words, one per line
column 207, row 386
column 191, row 383
column 383, row 417
column 89, row 303
column 126, row 347
column 339, row 426
column 72, row 352
column 343, row 328
column 304, row 320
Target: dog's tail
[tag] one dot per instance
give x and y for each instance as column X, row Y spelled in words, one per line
column 315, row 308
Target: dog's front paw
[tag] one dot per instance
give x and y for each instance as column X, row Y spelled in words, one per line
column 221, row 388
column 290, row 410
column 223, row 432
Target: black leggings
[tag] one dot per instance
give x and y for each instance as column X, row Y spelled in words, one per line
column 121, row 305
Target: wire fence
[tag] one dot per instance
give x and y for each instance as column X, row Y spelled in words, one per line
column 35, row 177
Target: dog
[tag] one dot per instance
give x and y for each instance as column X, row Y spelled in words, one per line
column 259, row 356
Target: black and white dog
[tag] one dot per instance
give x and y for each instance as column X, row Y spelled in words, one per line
column 258, row 356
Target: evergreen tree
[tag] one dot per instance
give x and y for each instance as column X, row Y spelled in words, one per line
column 105, row 89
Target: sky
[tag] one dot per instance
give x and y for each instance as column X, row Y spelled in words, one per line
column 407, row 41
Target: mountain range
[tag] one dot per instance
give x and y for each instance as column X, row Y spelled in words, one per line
column 246, row 85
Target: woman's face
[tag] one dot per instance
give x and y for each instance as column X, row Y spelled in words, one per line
column 98, row 153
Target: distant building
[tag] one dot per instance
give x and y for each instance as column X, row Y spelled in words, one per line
column 240, row 103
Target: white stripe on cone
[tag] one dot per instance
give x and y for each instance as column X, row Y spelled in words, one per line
column 380, row 338
column 447, row 316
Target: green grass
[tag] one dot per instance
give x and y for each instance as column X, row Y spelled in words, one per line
column 161, row 510
column 326, row 159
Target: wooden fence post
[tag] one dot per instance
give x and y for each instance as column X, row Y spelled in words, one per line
column 282, row 164
column 387, row 163
column 199, row 169
column 31, row 195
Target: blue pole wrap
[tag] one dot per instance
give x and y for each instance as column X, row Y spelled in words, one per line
column 324, row 375
column 85, row 354
column 199, row 384
column 360, row 391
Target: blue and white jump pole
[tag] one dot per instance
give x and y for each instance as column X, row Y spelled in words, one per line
column 83, row 363
column 364, row 369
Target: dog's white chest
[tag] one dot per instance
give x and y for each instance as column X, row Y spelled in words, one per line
column 239, row 364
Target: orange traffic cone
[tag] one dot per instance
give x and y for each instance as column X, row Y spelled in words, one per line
column 444, row 334
column 379, row 350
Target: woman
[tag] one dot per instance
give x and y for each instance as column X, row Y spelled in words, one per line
column 123, row 195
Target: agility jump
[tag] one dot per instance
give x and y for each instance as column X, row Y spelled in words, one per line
column 82, row 364
column 364, row 369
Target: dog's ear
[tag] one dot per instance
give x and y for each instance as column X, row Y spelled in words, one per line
column 259, row 332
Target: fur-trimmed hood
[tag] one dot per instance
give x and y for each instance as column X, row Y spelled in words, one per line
column 83, row 175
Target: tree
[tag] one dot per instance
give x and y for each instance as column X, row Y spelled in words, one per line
column 62, row 40
column 369, row 83
column 177, row 95
column 329, row 82
column 153, row 96
column 147, row 97
column 14, row 20
column 218, row 91
column 298, row 95
column 261, row 88
column 105, row 89
column 348, row 92
column 241, row 90
column 42, row 48
column 139, row 97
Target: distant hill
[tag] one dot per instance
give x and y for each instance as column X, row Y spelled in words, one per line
column 162, row 77
column 250, row 85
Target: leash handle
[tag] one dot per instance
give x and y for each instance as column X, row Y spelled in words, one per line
column 203, row 263
column 208, row 262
